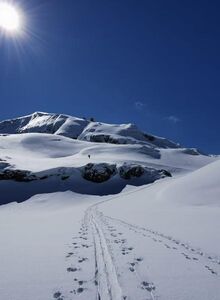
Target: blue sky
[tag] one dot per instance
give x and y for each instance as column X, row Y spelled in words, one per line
column 154, row 63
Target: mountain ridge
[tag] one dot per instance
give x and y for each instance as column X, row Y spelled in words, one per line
column 82, row 129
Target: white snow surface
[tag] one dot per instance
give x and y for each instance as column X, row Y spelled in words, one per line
column 149, row 242
column 38, row 152
column 156, row 241
column 58, row 157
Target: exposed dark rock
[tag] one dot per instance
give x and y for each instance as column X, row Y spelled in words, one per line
column 149, row 137
column 17, row 175
column 43, row 177
column 193, row 151
column 65, row 177
column 103, row 138
column 127, row 172
column 135, row 171
column 165, row 173
column 99, row 172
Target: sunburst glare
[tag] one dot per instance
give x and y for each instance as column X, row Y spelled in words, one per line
column 20, row 37
column 10, row 18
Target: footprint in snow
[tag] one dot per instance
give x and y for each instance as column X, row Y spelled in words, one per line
column 139, row 259
column 126, row 250
column 132, row 269
column 69, row 254
column 186, row 256
column 82, row 259
column 85, row 246
column 133, row 264
column 211, row 270
column 58, row 296
column 148, row 286
column 80, row 290
column 70, row 269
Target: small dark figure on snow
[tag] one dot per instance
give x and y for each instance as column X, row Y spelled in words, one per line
column 89, row 156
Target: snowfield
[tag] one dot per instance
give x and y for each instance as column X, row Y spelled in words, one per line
column 103, row 219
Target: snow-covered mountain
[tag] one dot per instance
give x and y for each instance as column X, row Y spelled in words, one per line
column 82, row 129
column 50, row 152
column 111, row 213
column 45, row 123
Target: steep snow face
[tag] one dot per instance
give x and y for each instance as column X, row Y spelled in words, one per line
column 45, row 123
column 82, row 129
column 122, row 134
column 72, row 127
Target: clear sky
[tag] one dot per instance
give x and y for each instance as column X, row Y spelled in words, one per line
column 154, row 63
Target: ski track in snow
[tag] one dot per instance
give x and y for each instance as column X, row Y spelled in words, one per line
column 113, row 262
column 108, row 286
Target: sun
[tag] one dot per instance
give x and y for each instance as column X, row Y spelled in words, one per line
column 10, row 17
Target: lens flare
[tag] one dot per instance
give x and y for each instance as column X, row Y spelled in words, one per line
column 10, row 18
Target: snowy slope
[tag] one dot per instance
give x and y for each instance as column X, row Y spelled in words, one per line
column 52, row 163
column 38, row 152
column 104, row 219
column 145, row 243
column 199, row 188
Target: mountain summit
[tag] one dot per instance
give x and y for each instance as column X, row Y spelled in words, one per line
column 82, row 129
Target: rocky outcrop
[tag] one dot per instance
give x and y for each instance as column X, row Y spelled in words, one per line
column 102, row 172
column 17, row 175
column 127, row 171
column 103, row 138
column 98, row 172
